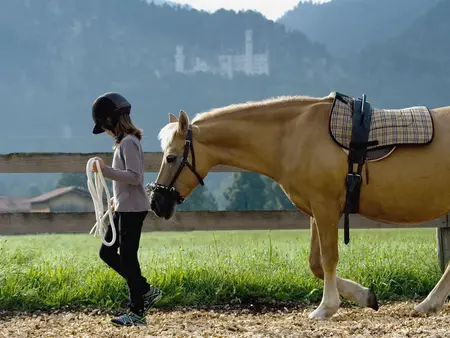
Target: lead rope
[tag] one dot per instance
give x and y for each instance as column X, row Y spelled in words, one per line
column 96, row 191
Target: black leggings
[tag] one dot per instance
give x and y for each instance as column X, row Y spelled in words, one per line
column 128, row 227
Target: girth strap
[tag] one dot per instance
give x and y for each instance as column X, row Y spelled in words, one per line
column 362, row 114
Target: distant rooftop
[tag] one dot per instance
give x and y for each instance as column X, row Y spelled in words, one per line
column 57, row 192
column 15, row 204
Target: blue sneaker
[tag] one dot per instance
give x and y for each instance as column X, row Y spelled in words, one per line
column 129, row 319
column 151, row 297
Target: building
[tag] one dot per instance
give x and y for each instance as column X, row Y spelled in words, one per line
column 248, row 63
column 228, row 64
column 65, row 199
column 180, row 59
column 12, row 204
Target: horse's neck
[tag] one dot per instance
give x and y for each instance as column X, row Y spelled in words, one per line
column 253, row 145
column 258, row 139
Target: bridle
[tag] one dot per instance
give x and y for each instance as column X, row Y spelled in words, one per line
column 169, row 190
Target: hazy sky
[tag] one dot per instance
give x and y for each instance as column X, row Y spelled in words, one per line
column 272, row 9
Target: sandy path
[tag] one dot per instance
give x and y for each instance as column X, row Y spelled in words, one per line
column 392, row 320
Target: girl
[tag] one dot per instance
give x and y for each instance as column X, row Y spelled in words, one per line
column 111, row 114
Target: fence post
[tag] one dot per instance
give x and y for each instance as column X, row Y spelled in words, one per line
column 443, row 243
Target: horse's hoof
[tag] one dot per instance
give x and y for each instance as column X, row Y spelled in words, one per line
column 424, row 307
column 322, row 313
column 372, row 300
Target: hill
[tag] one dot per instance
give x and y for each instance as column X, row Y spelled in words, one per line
column 171, row 3
column 346, row 26
column 413, row 67
column 63, row 53
column 60, row 55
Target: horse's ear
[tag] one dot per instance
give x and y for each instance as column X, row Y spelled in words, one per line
column 172, row 118
column 183, row 122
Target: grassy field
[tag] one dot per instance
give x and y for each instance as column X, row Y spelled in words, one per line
column 205, row 268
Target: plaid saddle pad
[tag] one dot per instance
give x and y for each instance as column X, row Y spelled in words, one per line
column 390, row 127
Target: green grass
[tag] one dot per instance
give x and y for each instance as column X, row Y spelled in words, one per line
column 206, row 268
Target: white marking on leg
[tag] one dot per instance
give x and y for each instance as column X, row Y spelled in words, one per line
column 436, row 298
column 327, row 228
column 330, row 300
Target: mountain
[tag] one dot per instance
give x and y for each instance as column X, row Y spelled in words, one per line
column 170, row 3
column 60, row 55
column 347, row 26
column 422, row 46
column 413, row 67
column 63, row 53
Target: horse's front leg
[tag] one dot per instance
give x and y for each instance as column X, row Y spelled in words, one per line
column 327, row 217
column 347, row 288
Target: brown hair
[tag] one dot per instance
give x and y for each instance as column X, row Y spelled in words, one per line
column 126, row 127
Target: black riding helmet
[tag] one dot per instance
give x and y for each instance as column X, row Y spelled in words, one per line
column 106, row 110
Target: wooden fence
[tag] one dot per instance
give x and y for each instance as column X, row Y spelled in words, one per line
column 21, row 223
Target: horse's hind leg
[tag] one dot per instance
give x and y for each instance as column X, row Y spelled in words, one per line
column 349, row 289
column 436, row 298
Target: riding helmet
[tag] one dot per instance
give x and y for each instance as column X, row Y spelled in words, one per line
column 106, row 110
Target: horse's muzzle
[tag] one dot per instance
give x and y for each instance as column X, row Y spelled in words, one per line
column 162, row 206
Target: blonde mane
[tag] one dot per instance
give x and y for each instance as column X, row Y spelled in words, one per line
column 240, row 107
column 168, row 132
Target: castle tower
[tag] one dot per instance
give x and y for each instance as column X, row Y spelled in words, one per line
column 249, row 51
column 179, row 59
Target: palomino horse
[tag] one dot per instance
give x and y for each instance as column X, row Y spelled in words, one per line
column 299, row 142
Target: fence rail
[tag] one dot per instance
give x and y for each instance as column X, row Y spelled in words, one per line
column 80, row 222
column 74, row 162
column 21, row 223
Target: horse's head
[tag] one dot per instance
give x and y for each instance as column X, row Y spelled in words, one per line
column 184, row 166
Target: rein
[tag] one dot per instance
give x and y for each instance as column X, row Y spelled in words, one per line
column 96, row 191
column 170, row 189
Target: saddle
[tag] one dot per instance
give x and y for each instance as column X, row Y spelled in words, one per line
column 366, row 133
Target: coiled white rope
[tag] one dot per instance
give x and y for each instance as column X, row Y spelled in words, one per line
column 96, row 191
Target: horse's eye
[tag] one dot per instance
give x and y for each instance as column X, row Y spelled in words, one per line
column 171, row 158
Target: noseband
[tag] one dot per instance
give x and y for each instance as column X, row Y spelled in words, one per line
column 169, row 190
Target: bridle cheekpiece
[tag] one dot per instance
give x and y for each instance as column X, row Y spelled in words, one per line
column 169, row 190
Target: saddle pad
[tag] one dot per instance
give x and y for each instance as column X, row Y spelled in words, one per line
column 390, row 127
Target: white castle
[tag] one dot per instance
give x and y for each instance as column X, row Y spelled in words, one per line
column 248, row 63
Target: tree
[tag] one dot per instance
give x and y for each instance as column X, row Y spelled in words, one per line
column 78, row 180
column 34, row 191
column 72, row 179
column 277, row 199
column 248, row 191
column 252, row 191
column 199, row 200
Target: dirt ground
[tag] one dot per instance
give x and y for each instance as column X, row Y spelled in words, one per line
column 392, row 320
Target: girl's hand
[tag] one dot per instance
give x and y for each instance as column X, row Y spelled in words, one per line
column 102, row 165
column 112, row 203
